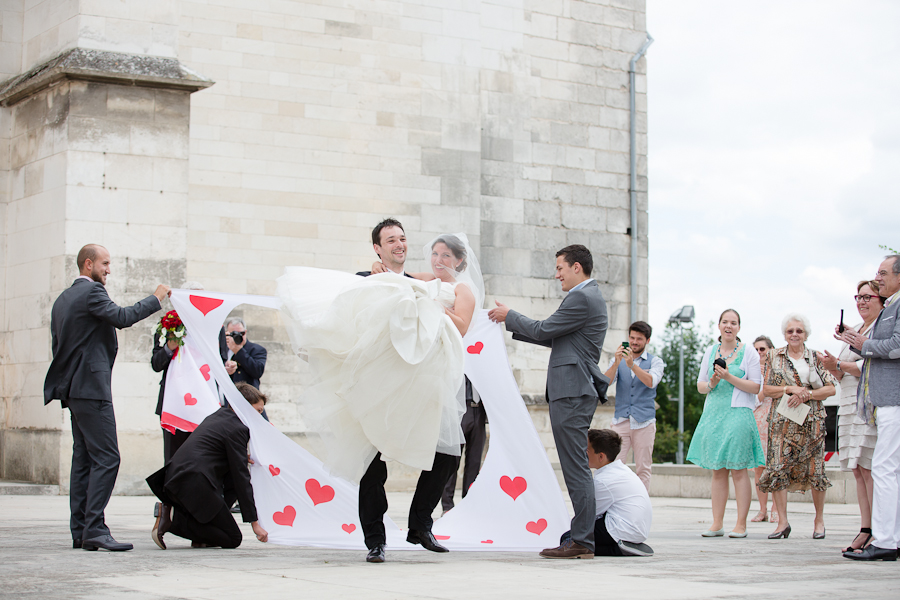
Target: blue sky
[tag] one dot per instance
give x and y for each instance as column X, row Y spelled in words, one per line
column 774, row 158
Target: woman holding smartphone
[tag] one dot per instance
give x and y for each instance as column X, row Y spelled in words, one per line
column 726, row 439
column 856, row 438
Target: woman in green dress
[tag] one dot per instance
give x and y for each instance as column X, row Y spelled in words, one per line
column 727, row 439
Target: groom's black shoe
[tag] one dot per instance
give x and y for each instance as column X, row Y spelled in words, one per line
column 426, row 538
column 376, row 554
column 873, row 553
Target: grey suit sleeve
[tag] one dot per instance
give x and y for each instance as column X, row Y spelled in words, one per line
column 120, row 317
column 568, row 318
column 524, row 338
column 885, row 348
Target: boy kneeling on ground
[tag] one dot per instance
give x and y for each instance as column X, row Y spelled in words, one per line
column 624, row 512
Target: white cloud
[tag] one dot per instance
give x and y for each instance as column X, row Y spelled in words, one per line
column 774, row 135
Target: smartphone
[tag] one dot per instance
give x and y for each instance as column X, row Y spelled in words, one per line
column 841, row 322
column 625, row 345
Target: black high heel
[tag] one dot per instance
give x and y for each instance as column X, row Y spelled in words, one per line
column 862, row 530
column 783, row 534
column 819, row 536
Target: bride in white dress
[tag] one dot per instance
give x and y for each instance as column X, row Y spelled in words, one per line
column 385, row 355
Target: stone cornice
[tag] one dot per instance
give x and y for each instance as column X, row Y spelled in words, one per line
column 106, row 67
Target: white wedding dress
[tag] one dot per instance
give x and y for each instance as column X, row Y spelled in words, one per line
column 386, row 364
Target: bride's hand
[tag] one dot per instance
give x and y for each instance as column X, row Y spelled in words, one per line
column 378, row 267
column 449, row 311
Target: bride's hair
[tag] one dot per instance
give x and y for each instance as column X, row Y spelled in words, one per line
column 456, row 247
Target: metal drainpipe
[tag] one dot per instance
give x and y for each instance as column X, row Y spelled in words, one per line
column 633, row 185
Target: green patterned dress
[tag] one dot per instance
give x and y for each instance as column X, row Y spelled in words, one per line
column 726, row 437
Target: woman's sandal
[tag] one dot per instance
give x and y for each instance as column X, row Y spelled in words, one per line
column 761, row 517
column 867, row 531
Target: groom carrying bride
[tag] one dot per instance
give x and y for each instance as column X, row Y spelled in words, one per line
column 389, row 241
column 386, row 360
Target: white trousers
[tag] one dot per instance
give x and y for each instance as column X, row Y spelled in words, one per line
column 886, row 479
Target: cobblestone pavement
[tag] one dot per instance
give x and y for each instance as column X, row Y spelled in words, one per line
column 37, row 561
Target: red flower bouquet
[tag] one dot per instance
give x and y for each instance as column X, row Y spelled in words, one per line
column 170, row 327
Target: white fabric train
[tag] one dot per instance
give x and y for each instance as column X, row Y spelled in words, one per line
column 515, row 503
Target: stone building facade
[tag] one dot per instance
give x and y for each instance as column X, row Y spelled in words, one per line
column 221, row 140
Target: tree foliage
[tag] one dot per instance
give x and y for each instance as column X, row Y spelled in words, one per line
column 696, row 341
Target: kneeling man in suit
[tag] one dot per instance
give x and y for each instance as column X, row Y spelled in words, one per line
column 575, row 332
column 203, row 479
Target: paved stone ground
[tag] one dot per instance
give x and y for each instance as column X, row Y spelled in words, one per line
column 37, row 561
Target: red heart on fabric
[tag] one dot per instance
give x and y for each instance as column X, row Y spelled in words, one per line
column 204, row 304
column 348, row 527
column 487, row 541
column 442, row 537
column 189, row 400
column 204, row 370
column 285, row 518
column 319, row 493
column 476, row 349
column 513, row 487
column 274, row 470
column 536, row 527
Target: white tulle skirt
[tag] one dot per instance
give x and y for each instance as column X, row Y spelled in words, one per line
column 386, row 366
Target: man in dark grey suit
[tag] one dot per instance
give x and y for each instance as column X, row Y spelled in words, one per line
column 575, row 332
column 879, row 391
column 83, row 325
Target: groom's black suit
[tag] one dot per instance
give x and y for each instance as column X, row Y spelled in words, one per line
column 373, row 499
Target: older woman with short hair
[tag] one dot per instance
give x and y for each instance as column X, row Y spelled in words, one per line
column 856, row 438
column 795, row 461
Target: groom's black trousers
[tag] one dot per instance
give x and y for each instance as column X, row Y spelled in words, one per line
column 373, row 500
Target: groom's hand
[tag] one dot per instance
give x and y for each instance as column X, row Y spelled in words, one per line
column 498, row 315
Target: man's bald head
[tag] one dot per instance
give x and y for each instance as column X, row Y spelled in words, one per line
column 93, row 261
column 88, row 252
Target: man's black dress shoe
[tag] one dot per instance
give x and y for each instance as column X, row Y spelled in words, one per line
column 426, row 538
column 376, row 554
column 107, row 543
column 873, row 553
column 76, row 543
column 162, row 525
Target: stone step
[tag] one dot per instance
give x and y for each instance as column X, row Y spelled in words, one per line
column 24, row 488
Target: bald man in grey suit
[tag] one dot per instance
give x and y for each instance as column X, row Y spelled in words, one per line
column 575, row 332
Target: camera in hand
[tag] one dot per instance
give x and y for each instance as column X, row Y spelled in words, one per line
column 237, row 336
column 721, row 363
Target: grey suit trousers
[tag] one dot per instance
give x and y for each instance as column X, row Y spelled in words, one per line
column 95, row 464
column 570, row 419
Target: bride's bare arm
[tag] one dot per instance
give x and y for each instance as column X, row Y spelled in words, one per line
column 463, row 309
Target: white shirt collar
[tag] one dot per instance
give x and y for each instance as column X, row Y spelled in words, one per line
column 892, row 298
column 582, row 284
column 83, row 277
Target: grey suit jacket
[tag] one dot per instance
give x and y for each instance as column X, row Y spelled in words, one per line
column 575, row 332
column 882, row 351
column 83, row 325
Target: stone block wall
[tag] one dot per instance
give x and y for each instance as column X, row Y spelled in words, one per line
column 91, row 162
column 506, row 119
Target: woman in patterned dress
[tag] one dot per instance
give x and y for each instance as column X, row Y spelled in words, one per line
column 856, row 438
column 796, row 455
column 726, row 438
column 763, row 344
